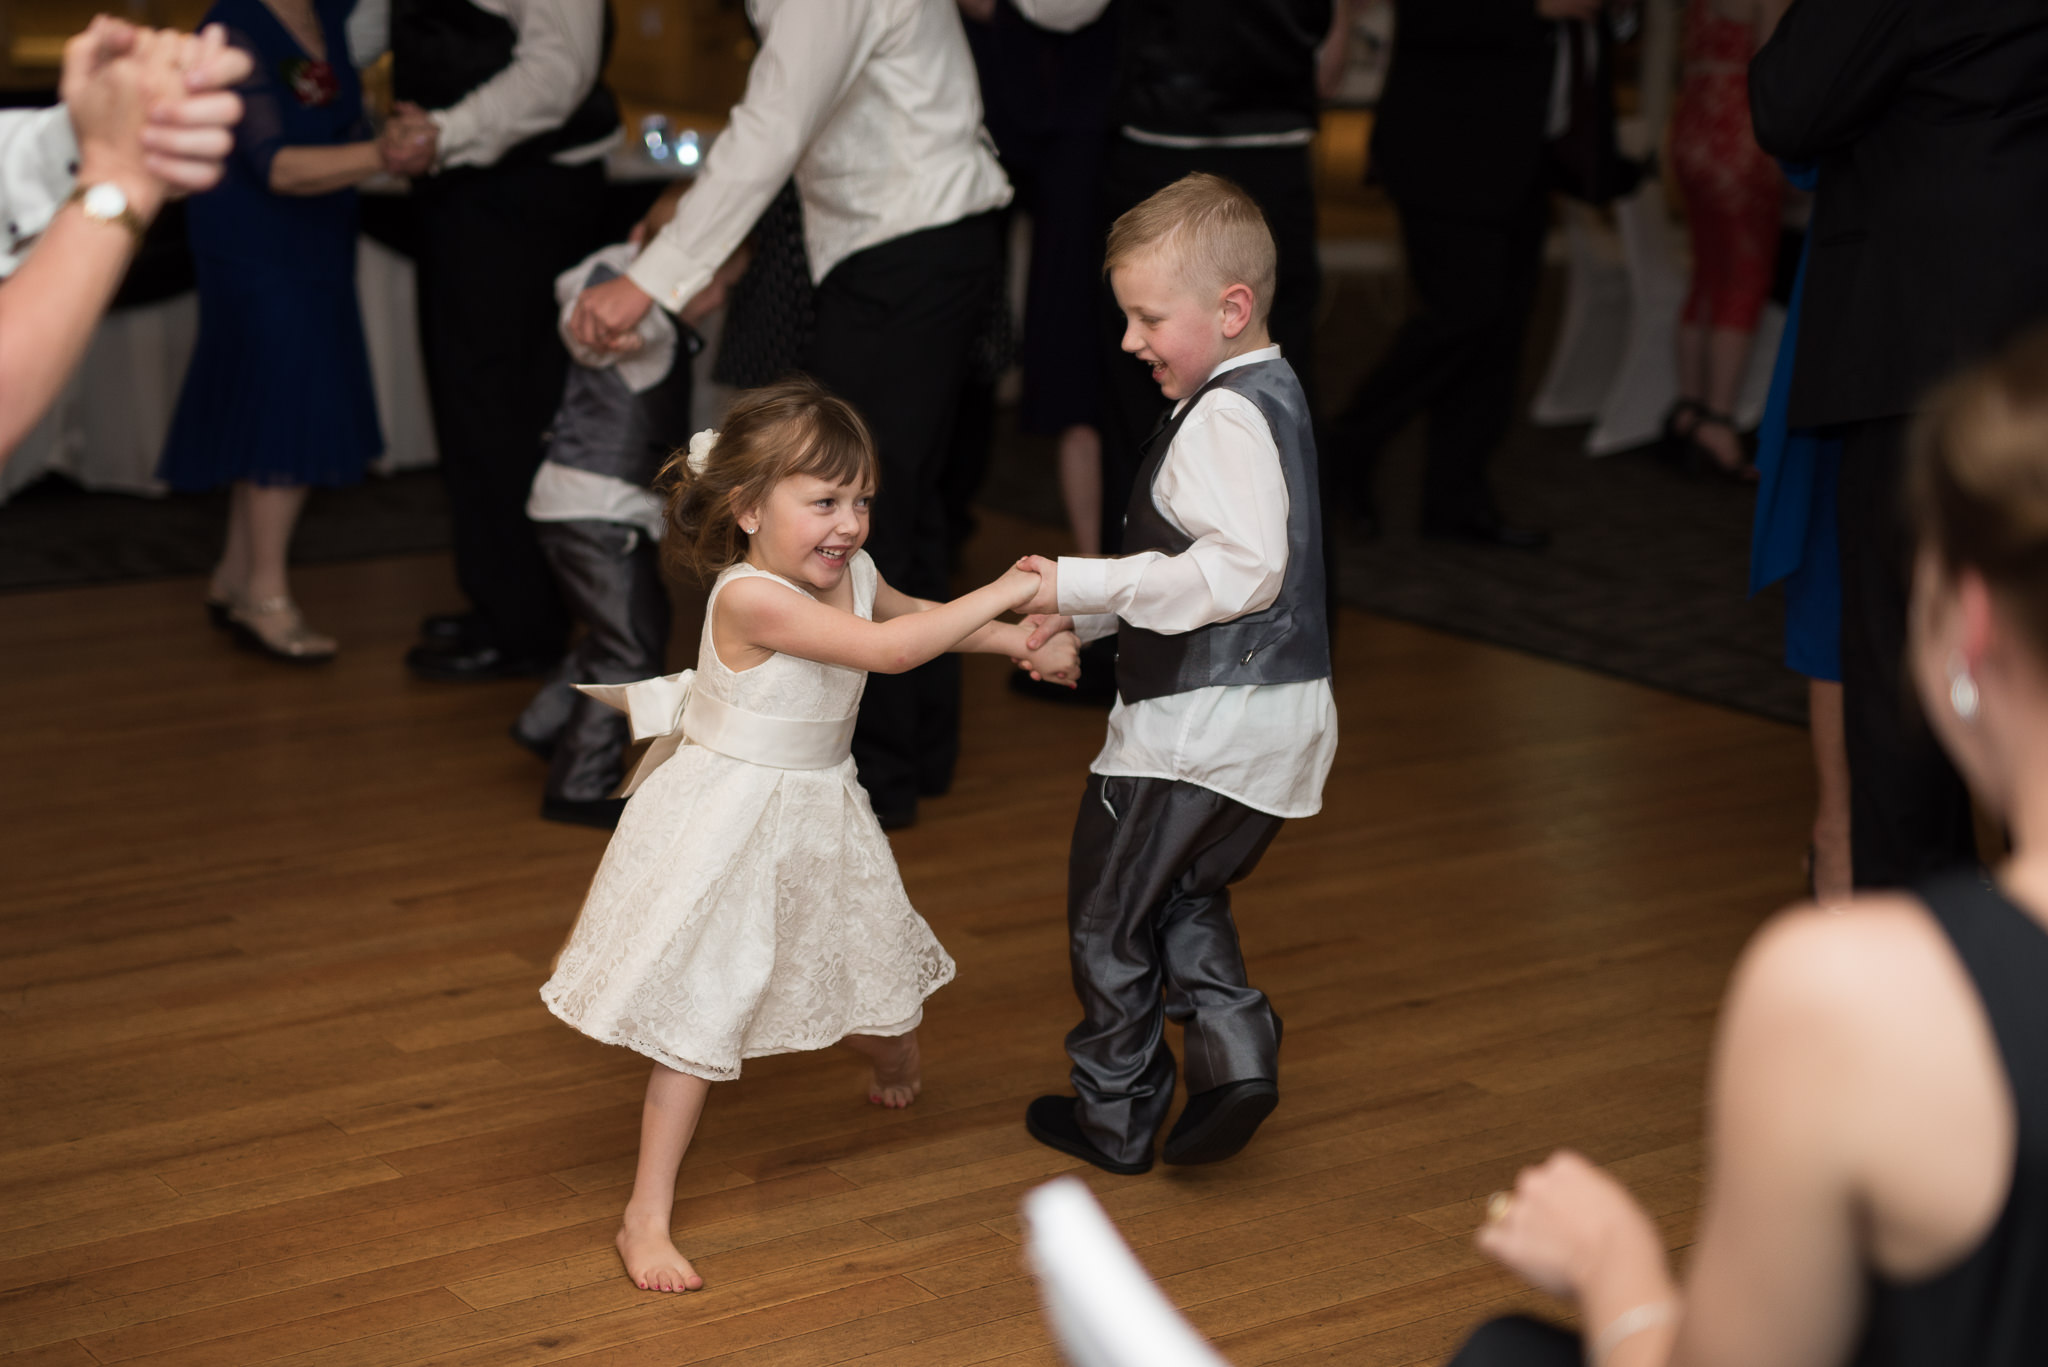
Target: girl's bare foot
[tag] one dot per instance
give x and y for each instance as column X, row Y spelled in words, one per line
column 898, row 1067
column 651, row 1257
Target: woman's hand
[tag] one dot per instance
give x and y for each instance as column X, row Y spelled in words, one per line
column 1047, row 599
column 410, row 142
column 1019, row 585
column 1570, row 1229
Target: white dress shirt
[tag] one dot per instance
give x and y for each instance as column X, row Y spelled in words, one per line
column 554, row 64
column 1268, row 746
column 38, row 161
column 873, row 105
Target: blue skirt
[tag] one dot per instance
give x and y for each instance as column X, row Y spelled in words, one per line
column 279, row 389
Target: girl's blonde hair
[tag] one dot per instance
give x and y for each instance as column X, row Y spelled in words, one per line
column 792, row 427
column 1977, row 479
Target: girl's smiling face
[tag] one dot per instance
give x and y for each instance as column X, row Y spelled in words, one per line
column 807, row 530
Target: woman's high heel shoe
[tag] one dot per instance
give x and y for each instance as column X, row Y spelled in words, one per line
column 219, row 611
column 274, row 627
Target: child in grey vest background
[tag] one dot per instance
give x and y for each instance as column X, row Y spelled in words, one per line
column 1224, row 725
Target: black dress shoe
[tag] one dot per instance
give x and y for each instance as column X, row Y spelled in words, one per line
column 602, row 812
column 1485, row 531
column 447, row 628
column 1218, row 1123
column 1050, row 1119
column 462, row 663
column 542, row 749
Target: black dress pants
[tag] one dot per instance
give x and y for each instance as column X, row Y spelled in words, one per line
column 1280, row 180
column 1150, row 938
column 1909, row 811
column 610, row 573
column 491, row 241
column 1519, row 1341
column 895, row 328
column 1457, row 358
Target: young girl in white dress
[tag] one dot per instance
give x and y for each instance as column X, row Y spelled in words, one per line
column 748, row 903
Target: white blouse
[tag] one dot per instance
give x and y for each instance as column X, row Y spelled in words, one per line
column 38, row 161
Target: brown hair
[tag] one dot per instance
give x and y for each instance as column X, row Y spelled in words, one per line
column 792, row 427
column 1977, row 478
column 1214, row 230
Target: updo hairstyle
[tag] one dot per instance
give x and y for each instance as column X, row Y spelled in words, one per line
column 792, row 427
column 1977, row 480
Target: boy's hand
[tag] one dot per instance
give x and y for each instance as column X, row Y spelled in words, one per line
column 1058, row 661
column 1043, row 627
column 1048, row 572
column 606, row 315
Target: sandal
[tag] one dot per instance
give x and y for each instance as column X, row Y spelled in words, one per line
column 274, row 627
column 1695, row 457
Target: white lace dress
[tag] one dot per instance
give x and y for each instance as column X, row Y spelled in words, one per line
column 743, row 910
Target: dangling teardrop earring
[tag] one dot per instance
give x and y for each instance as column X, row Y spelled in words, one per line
column 1962, row 690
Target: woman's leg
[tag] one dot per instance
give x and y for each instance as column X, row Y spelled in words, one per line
column 264, row 609
column 231, row 573
column 667, row 1120
column 1727, row 361
column 1081, row 486
column 897, row 1064
column 1832, row 879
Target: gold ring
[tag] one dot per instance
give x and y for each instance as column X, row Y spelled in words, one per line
column 1497, row 1207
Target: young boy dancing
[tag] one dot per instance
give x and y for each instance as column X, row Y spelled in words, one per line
column 1224, row 724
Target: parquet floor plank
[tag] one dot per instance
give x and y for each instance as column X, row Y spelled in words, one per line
column 280, row 1090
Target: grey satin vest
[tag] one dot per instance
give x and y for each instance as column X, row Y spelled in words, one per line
column 1285, row 642
column 604, row 427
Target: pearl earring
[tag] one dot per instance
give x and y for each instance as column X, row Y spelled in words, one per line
column 1962, row 690
column 749, row 530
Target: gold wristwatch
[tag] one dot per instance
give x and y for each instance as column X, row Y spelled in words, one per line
column 107, row 202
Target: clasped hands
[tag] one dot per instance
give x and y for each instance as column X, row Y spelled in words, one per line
column 151, row 108
column 1052, row 652
column 410, row 142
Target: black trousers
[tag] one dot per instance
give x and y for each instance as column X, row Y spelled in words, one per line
column 1457, row 358
column 1519, row 1341
column 1151, row 938
column 491, row 241
column 1909, row 811
column 610, row 574
column 895, row 325
column 1281, row 180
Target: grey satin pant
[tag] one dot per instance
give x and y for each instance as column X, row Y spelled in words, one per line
column 610, row 576
column 1151, row 938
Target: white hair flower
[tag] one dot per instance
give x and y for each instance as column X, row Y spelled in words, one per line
column 701, row 447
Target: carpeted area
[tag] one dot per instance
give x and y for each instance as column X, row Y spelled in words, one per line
column 1645, row 578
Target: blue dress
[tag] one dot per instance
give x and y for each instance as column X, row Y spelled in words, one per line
column 1794, row 536
column 279, row 391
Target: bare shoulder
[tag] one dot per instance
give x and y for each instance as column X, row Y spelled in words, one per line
column 1864, row 975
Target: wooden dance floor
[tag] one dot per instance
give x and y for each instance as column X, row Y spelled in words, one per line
column 278, row 1086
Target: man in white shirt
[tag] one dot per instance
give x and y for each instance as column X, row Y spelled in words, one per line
column 1224, row 725
column 874, row 107
column 146, row 114
column 503, row 103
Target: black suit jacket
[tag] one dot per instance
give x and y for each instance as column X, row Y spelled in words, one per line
column 1460, row 124
column 1929, row 120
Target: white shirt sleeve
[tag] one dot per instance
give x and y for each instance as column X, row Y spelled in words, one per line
column 554, row 65
column 38, row 162
column 812, row 52
column 1062, row 16
column 1221, row 484
column 369, row 31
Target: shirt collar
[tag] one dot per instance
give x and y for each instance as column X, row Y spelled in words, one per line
column 1252, row 357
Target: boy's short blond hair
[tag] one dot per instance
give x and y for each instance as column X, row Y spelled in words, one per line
column 1212, row 230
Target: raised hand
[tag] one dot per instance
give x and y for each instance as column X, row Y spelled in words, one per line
column 1022, row 584
column 1057, row 661
column 1047, row 598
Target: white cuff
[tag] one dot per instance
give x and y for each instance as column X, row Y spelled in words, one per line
column 1084, row 586
column 1093, row 626
column 669, row 274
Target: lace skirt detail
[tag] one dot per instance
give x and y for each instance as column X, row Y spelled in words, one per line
column 743, row 911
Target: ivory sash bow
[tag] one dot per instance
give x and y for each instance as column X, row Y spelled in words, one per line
column 669, row 710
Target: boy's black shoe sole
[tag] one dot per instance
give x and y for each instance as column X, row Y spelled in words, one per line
column 1050, row 1119
column 1218, row 1123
